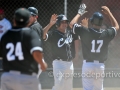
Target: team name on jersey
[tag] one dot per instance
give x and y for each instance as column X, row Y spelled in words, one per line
column 67, row 40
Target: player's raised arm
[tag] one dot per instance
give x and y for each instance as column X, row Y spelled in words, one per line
column 81, row 11
column 53, row 20
column 114, row 22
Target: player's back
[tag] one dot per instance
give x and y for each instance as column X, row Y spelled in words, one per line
column 17, row 54
column 95, row 44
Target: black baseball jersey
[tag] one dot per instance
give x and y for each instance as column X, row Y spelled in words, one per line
column 16, row 49
column 75, row 37
column 61, row 44
column 38, row 28
column 94, row 42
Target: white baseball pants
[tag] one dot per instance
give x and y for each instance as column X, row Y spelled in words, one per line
column 92, row 75
column 63, row 75
column 13, row 80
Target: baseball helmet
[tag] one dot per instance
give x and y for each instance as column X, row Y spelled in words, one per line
column 97, row 19
column 60, row 18
column 33, row 11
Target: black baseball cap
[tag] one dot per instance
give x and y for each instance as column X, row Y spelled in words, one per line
column 33, row 11
column 22, row 16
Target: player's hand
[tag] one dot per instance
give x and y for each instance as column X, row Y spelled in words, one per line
column 82, row 9
column 53, row 19
column 44, row 66
column 84, row 22
column 105, row 10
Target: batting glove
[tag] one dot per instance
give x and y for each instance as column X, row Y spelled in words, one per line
column 81, row 9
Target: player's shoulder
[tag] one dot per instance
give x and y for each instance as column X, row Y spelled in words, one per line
column 52, row 31
column 19, row 30
column 111, row 29
column 36, row 25
column 27, row 30
column 76, row 25
column 28, row 33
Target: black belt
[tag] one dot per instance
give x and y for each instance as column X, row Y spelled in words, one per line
column 95, row 60
column 64, row 59
column 28, row 73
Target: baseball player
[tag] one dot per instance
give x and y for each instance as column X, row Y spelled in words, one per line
column 21, row 50
column 35, row 25
column 94, row 45
column 61, row 40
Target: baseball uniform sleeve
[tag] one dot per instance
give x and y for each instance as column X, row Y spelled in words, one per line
column 49, row 36
column 79, row 29
column 33, row 41
column 110, row 33
column 75, row 37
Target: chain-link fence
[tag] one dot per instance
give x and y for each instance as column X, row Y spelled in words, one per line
column 69, row 8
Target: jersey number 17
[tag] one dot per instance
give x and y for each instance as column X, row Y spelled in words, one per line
column 94, row 42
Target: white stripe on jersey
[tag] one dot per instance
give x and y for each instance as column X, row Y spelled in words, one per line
column 46, row 37
column 98, row 31
column 115, row 30
column 36, row 48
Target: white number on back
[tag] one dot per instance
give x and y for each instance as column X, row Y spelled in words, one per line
column 18, row 51
column 100, row 42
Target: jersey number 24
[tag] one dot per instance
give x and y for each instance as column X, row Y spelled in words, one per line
column 14, row 51
column 94, row 42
